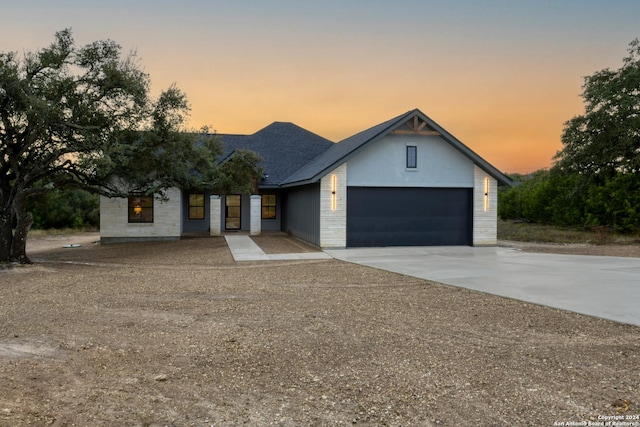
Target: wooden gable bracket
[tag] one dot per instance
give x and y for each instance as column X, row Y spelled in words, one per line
column 416, row 126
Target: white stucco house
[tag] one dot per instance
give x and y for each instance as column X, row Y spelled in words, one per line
column 404, row 182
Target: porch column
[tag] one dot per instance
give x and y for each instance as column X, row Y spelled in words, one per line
column 215, row 208
column 255, row 212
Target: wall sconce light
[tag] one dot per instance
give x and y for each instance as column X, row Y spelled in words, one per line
column 334, row 186
column 486, row 194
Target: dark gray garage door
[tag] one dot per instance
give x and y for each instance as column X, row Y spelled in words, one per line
column 379, row 216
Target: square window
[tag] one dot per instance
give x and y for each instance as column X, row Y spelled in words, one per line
column 140, row 209
column 412, row 156
column 269, row 206
column 196, row 206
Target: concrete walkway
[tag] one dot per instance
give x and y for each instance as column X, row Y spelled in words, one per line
column 244, row 249
column 606, row 287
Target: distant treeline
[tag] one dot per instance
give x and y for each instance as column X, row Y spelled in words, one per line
column 574, row 199
column 65, row 208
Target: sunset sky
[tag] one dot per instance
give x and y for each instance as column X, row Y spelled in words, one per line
column 500, row 75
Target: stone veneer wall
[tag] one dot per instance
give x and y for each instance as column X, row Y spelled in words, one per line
column 333, row 223
column 215, row 210
column 485, row 222
column 255, row 215
column 115, row 226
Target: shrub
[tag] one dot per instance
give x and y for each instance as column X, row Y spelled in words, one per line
column 65, row 208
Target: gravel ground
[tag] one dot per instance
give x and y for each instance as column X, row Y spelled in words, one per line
column 178, row 334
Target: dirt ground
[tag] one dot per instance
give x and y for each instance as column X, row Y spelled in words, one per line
column 178, row 334
column 620, row 250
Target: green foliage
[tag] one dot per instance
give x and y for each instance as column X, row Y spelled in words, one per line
column 239, row 173
column 605, row 140
column 61, row 109
column 66, row 208
column 596, row 180
column 573, row 200
column 615, row 203
column 535, row 198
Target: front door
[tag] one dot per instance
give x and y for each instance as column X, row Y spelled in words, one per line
column 232, row 212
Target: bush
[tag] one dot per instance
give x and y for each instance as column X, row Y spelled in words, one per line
column 616, row 203
column 65, row 208
column 573, row 200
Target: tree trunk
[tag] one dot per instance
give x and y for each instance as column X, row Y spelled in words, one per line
column 23, row 224
column 6, row 236
column 19, row 247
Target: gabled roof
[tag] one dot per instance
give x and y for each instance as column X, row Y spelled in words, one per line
column 284, row 148
column 411, row 122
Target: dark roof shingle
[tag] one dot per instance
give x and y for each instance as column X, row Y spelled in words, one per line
column 284, row 148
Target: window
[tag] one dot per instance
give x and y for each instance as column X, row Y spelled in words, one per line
column 140, row 209
column 412, row 156
column 196, row 206
column 233, row 214
column 268, row 206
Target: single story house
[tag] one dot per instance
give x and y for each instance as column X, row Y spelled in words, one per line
column 404, row 182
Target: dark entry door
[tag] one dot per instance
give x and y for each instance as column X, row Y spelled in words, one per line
column 232, row 212
column 378, row 216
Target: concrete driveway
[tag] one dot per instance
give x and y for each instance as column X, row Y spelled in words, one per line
column 606, row 287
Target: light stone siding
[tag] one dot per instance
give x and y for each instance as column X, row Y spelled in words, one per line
column 115, row 226
column 333, row 223
column 485, row 222
column 215, row 206
column 255, row 215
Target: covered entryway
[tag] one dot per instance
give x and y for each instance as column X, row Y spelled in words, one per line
column 398, row 216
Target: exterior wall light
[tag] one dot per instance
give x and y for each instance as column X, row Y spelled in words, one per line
column 334, row 186
column 486, row 194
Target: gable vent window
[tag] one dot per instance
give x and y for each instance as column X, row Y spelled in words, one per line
column 412, row 156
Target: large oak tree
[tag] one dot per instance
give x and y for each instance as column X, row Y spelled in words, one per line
column 605, row 140
column 596, row 180
column 82, row 116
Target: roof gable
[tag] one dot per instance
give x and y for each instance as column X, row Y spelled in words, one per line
column 413, row 122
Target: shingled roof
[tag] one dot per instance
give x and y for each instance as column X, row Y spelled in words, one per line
column 329, row 159
column 284, row 148
column 294, row 156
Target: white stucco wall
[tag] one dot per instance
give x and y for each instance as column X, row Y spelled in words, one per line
column 333, row 219
column 383, row 164
column 114, row 224
column 485, row 209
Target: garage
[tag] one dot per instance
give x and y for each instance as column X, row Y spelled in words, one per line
column 399, row 216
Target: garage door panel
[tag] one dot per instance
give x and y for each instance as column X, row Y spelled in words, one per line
column 378, row 216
